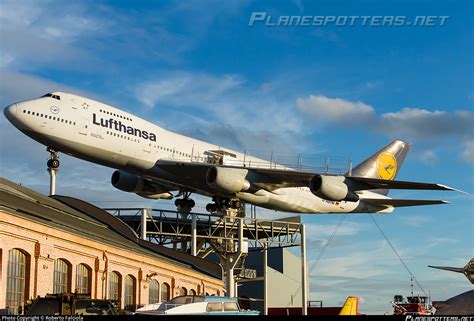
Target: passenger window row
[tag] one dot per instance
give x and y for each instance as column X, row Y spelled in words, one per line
column 123, row 136
column 169, row 150
column 114, row 114
column 166, row 149
column 28, row 112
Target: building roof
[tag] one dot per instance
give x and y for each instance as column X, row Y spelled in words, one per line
column 81, row 218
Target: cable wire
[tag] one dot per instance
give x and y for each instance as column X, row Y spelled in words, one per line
column 396, row 253
column 331, row 237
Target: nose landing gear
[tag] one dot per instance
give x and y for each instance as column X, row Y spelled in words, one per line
column 53, row 163
column 53, row 166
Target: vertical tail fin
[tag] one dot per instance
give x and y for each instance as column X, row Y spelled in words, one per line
column 351, row 306
column 384, row 164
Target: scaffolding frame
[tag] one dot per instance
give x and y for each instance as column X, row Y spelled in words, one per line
column 228, row 236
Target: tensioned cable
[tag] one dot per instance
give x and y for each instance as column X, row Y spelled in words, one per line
column 396, row 253
column 336, row 229
column 331, row 237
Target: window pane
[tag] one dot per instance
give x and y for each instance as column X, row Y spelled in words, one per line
column 165, row 290
column 230, row 306
column 114, row 286
column 214, row 306
column 16, row 277
column 129, row 299
column 83, row 279
column 61, row 276
column 154, row 292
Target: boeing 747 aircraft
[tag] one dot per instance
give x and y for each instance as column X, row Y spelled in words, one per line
column 153, row 162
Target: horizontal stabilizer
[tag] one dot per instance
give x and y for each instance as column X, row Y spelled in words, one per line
column 400, row 203
column 374, row 183
column 447, row 268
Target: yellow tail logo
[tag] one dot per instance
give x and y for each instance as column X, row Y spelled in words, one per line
column 386, row 166
column 350, row 307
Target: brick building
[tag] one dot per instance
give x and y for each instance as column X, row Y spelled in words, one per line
column 61, row 244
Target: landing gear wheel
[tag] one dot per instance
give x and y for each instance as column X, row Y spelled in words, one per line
column 235, row 204
column 53, row 163
column 211, row 207
column 184, row 205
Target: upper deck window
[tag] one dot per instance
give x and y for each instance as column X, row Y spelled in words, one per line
column 52, row 96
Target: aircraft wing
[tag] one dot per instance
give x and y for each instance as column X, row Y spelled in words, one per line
column 374, row 183
column 400, row 203
column 272, row 179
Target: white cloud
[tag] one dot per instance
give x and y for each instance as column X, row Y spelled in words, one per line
column 322, row 232
column 33, row 35
column 416, row 220
column 186, row 89
column 323, row 109
column 225, row 110
column 428, row 157
column 468, row 153
column 356, row 263
column 422, row 123
column 416, row 124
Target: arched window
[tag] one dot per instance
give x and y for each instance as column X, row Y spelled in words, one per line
column 83, row 278
column 154, row 292
column 192, row 292
column 130, row 286
column 115, row 286
column 62, row 276
column 165, row 292
column 18, row 275
column 183, row 291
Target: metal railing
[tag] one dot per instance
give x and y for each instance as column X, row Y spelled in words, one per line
column 170, row 227
column 299, row 162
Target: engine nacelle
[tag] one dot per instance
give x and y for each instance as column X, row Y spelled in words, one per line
column 227, row 179
column 135, row 184
column 332, row 188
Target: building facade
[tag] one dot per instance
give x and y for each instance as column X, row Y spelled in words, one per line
column 47, row 247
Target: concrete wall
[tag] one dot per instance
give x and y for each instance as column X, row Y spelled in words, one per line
column 45, row 244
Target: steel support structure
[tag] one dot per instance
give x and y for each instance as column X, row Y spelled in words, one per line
column 228, row 236
column 265, row 279
column 52, row 181
column 304, row 276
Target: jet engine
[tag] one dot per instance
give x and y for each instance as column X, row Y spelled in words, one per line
column 135, row 184
column 227, row 179
column 332, row 188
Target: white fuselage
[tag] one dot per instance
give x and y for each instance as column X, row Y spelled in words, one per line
column 106, row 135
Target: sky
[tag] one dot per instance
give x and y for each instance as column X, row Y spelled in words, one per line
column 336, row 91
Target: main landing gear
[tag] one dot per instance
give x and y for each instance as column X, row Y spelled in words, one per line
column 185, row 204
column 223, row 204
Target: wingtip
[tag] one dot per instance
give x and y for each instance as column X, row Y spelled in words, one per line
column 452, row 189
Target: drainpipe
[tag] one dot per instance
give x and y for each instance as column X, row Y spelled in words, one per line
column 105, row 277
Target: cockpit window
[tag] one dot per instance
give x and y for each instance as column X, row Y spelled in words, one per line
column 52, row 96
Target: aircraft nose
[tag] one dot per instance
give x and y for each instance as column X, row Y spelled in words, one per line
column 11, row 111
